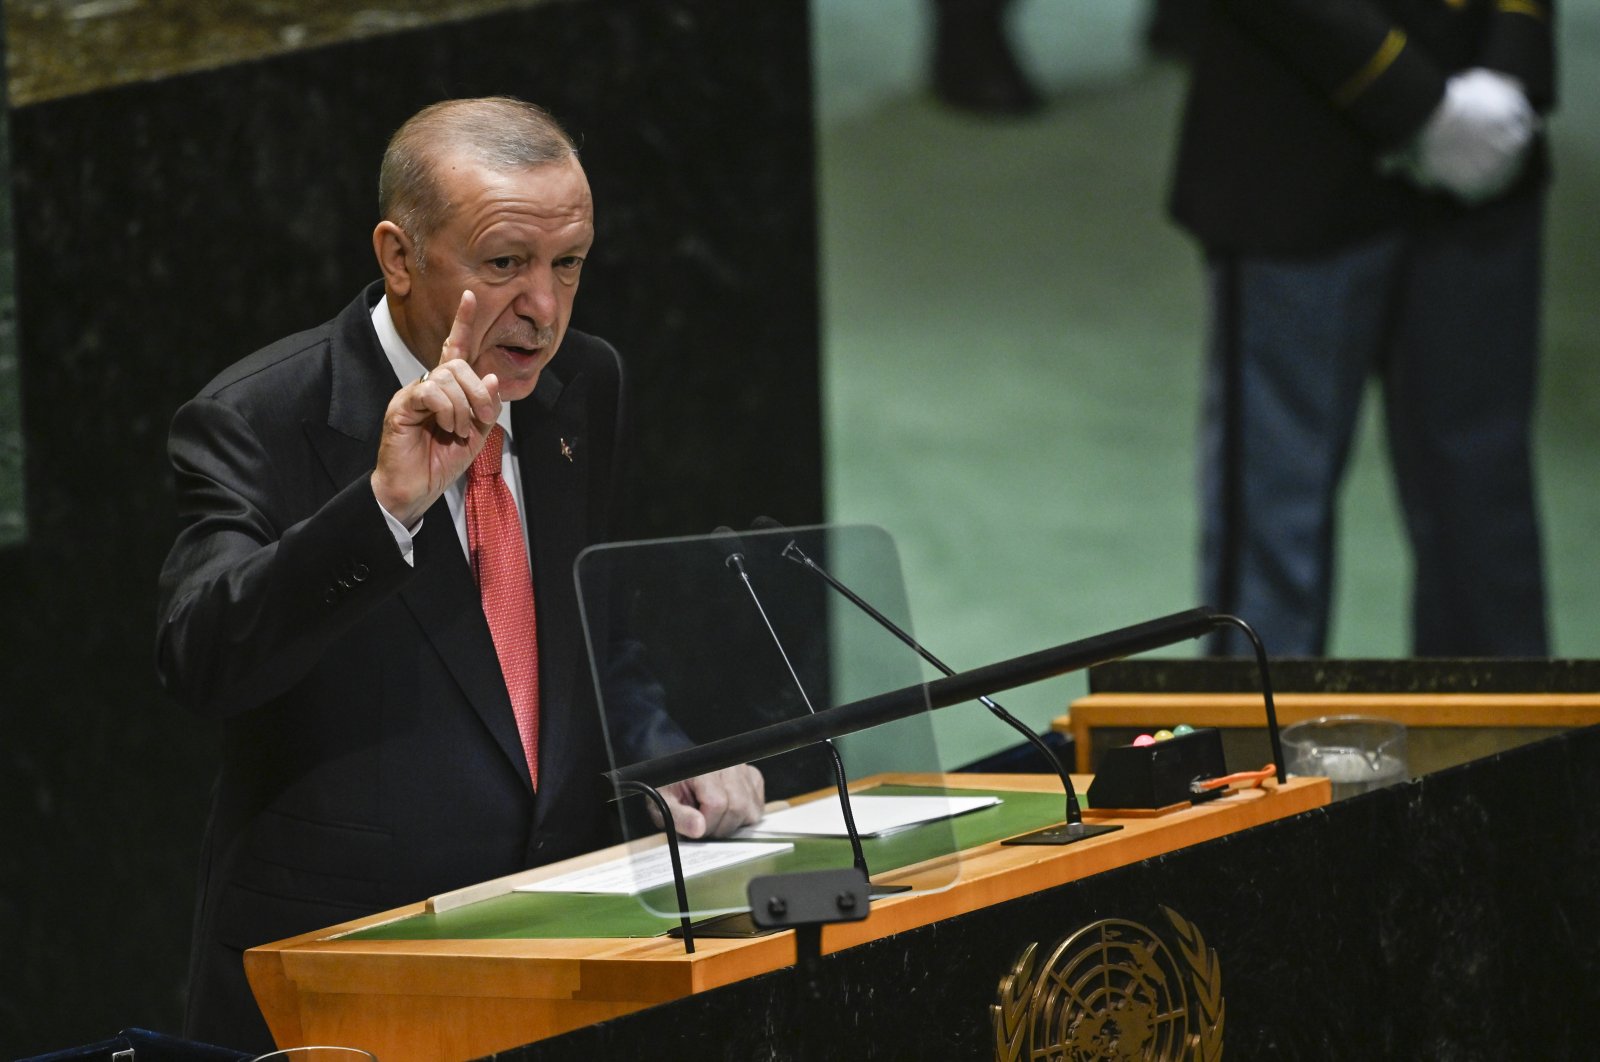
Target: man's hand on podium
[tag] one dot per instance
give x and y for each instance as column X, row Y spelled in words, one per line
column 716, row 804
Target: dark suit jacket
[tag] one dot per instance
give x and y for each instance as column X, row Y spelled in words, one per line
column 370, row 757
column 1293, row 102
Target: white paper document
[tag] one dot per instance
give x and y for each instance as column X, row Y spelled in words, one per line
column 639, row 871
column 875, row 816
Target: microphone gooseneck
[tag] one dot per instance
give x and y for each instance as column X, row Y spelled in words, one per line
column 735, row 560
column 792, row 552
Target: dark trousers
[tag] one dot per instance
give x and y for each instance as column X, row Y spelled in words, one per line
column 1445, row 314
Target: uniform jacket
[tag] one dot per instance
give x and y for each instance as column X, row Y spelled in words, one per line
column 1292, row 103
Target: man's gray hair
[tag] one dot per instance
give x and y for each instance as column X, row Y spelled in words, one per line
column 501, row 133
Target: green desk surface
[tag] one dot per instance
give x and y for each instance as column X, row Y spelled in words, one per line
column 523, row 915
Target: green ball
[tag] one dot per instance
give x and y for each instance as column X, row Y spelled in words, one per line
column 1182, row 729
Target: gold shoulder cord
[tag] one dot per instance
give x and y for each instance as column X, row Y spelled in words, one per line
column 1531, row 8
column 1381, row 60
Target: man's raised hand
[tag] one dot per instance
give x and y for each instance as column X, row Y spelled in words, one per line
column 436, row 425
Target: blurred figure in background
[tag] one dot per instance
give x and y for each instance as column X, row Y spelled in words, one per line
column 976, row 69
column 1366, row 178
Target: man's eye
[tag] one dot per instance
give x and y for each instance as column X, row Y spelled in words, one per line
column 503, row 262
column 571, row 261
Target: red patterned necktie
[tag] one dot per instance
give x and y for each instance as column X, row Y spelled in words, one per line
column 500, row 564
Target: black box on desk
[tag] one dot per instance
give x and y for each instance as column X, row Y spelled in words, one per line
column 1160, row 774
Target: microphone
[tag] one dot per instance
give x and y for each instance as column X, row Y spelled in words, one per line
column 1073, row 829
column 733, row 556
column 732, row 548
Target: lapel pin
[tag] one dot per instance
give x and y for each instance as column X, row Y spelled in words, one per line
column 566, row 451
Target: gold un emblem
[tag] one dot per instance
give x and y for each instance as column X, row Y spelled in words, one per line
column 1113, row 991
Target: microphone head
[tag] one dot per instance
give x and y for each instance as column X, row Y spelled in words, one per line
column 731, row 545
column 790, row 551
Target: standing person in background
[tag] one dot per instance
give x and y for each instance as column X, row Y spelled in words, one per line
column 1367, row 180
column 974, row 65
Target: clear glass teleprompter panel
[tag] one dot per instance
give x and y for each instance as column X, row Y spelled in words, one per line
column 688, row 650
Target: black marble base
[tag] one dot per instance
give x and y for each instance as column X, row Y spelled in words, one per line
column 1453, row 917
column 1303, row 675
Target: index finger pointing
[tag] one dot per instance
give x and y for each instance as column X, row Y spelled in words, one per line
column 462, row 341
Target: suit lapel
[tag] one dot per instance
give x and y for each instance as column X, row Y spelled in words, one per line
column 550, row 432
column 442, row 596
column 360, row 386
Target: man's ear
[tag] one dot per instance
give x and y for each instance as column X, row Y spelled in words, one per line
column 394, row 250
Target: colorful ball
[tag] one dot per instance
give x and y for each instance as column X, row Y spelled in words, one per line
column 1163, row 735
column 1182, row 729
column 1142, row 740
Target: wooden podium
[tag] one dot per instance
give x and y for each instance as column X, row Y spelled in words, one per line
column 372, row 983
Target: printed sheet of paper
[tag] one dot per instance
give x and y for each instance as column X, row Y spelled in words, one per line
column 875, row 816
column 639, row 871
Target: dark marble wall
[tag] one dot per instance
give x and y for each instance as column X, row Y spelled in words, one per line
column 166, row 229
column 1453, row 917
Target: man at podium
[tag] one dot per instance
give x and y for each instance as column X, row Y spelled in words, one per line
column 371, row 583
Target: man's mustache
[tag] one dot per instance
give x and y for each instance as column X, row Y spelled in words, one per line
column 531, row 339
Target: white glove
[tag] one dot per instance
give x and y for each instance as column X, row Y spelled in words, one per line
column 1476, row 141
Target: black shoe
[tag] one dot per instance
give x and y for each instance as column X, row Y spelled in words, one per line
column 973, row 67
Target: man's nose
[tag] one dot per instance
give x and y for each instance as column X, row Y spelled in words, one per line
column 536, row 297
